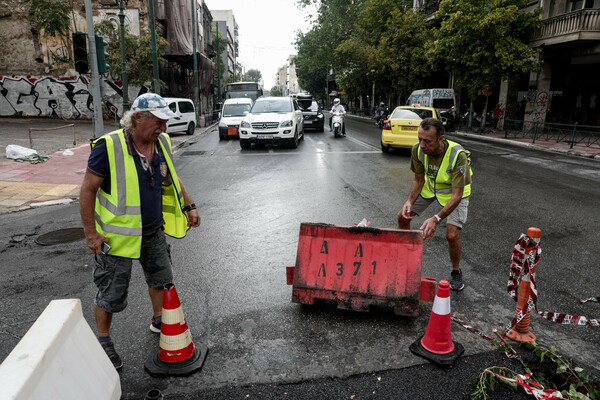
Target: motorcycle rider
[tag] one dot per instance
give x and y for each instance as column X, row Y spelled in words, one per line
column 337, row 107
column 380, row 113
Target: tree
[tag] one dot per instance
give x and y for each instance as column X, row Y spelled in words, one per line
column 138, row 53
column 253, row 75
column 220, row 45
column 52, row 18
column 483, row 41
column 276, row 91
column 334, row 23
column 386, row 48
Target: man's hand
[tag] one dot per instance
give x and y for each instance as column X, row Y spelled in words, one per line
column 429, row 227
column 94, row 242
column 407, row 211
column 193, row 218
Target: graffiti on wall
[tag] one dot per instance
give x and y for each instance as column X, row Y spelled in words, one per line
column 66, row 98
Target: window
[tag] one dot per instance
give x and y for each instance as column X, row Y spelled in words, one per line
column 186, row 107
column 416, row 113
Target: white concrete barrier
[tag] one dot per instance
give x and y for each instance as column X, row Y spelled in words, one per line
column 59, row 358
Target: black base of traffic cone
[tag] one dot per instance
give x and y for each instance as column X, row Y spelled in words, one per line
column 441, row 360
column 158, row 368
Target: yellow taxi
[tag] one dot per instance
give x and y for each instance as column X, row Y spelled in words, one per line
column 400, row 129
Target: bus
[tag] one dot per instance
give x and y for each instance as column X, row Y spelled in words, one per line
column 251, row 90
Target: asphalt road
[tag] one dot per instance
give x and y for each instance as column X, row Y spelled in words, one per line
column 230, row 273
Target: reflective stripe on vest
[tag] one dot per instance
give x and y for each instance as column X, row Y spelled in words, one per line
column 441, row 186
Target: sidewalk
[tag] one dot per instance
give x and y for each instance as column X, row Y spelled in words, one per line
column 57, row 181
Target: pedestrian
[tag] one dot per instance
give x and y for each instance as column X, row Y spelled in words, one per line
column 442, row 173
column 496, row 113
column 130, row 198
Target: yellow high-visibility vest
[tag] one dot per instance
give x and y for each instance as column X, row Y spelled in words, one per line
column 118, row 213
column 440, row 187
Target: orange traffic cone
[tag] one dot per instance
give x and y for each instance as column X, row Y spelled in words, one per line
column 437, row 345
column 520, row 332
column 177, row 354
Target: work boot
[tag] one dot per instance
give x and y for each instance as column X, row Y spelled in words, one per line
column 109, row 349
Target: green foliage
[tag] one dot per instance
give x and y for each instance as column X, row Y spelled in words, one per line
column 276, row 91
column 252, row 75
column 579, row 384
column 51, row 17
column 483, row 41
column 220, row 43
column 334, row 23
column 138, row 53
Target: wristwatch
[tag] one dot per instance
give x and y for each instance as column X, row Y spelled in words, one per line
column 437, row 217
column 189, row 207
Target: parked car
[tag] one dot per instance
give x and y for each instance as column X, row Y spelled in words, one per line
column 400, row 130
column 312, row 113
column 272, row 120
column 186, row 115
column 231, row 115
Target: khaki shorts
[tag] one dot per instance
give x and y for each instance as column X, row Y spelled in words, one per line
column 112, row 274
column 458, row 217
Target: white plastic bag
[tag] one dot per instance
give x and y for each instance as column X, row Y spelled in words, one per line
column 67, row 152
column 14, row 151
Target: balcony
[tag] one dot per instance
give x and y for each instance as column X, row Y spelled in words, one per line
column 580, row 25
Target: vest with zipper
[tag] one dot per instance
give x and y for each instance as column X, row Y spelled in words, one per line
column 440, row 186
column 118, row 213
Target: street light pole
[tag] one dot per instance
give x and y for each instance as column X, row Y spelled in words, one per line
column 196, row 88
column 123, row 63
column 153, row 39
column 373, row 97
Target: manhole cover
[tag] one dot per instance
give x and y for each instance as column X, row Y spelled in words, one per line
column 60, row 236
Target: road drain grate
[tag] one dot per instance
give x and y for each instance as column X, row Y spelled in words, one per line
column 193, row 153
column 60, row 236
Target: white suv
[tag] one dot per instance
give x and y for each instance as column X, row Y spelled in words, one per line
column 272, row 120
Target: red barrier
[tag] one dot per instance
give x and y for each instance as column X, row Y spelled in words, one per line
column 357, row 267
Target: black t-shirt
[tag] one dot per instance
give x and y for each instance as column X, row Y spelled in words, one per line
column 150, row 189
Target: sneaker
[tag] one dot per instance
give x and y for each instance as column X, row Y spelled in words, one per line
column 155, row 326
column 109, row 349
column 456, row 280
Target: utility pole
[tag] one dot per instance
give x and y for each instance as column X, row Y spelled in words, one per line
column 196, row 89
column 153, row 39
column 123, row 63
column 95, row 83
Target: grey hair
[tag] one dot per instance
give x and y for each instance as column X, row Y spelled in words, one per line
column 128, row 120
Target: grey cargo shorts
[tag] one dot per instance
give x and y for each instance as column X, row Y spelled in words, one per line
column 112, row 274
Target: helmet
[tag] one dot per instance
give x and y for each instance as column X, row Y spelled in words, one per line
column 382, row 104
column 336, row 101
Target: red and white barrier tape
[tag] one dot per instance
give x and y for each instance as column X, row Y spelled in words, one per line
column 521, row 269
column 476, row 331
column 531, row 386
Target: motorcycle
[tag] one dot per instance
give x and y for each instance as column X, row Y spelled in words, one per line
column 381, row 117
column 337, row 123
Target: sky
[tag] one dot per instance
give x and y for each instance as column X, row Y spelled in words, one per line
column 267, row 30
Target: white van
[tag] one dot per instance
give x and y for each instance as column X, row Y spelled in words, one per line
column 442, row 99
column 231, row 115
column 185, row 110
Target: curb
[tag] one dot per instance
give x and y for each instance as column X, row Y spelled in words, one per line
column 530, row 146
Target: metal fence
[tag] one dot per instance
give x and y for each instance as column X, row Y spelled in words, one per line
column 572, row 134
